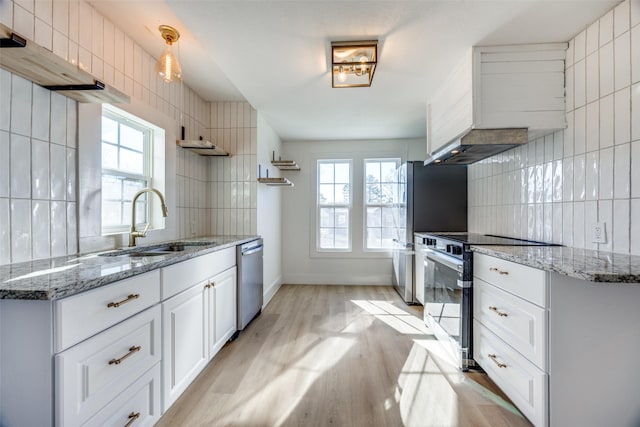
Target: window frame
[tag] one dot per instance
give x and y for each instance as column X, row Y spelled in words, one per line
column 365, row 204
column 348, row 206
column 124, row 118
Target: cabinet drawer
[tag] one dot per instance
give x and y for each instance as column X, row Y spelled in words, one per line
column 524, row 383
column 525, row 282
column 179, row 277
column 92, row 373
column 140, row 402
column 83, row 315
column 518, row 322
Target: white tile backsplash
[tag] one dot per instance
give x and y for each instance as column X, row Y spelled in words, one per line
column 40, row 229
column 20, row 230
column 20, row 106
column 5, row 180
column 40, row 170
column 20, row 167
column 594, row 172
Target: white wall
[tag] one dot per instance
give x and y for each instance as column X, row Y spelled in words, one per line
column 301, row 265
column 270, row 208
column 555, row 188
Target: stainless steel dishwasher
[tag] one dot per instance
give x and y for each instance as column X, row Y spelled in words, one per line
column 250, row 284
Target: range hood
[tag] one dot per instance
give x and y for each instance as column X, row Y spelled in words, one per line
column 478, row 144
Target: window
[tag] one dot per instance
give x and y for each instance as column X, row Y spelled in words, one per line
column 334, row 205
column 384, row 219
column 127, row 157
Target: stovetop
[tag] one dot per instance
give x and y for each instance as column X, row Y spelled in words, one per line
column 488, row 239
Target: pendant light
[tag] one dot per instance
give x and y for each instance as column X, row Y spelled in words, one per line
column 167, row 66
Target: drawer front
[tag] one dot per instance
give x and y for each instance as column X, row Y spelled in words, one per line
column 526, row 282
column 179, row 277
column 94, row 372
column 518, row 322
column 83, row 315
column 524, row 383
column 139, row 404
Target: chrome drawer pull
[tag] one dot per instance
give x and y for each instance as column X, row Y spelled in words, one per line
column 130, row 297
column 132, row 417
column 499, row 313
column 132, row 350
column 498, row 270
column 495, row 359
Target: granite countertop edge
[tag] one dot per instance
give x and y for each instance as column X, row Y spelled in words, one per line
column 66, row 285
column 584, row 264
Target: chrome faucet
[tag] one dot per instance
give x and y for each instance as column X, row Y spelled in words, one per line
column 133, row 234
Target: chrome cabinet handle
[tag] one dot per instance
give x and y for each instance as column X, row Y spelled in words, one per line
column 130, row 297
column 133, row 349
column 496, row 311
column 497, row 270
column 132, row 417
column 495, row 360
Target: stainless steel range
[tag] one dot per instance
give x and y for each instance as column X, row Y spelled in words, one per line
column 448, row 287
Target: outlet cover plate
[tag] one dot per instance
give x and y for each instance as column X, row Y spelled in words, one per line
column 598, row 234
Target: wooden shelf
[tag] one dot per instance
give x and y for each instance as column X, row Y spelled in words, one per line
column 276, row 182
column 25, row 58
column 289, row 165
column 201, row 147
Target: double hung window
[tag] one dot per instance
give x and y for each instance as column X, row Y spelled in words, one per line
column 334, row 201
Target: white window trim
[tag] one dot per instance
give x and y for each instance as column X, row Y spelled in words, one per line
column 349, row 206
column 154, row 163
column 357, row 202
column 365, row 205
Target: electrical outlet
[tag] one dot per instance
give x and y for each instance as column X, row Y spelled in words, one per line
column 599, row 233
column 192, row 224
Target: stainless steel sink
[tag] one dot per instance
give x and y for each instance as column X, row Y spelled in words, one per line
column 165, row 249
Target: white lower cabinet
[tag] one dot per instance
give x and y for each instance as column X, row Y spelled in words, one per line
column 94, row 372
column 137, row 406
column 184, row 341
column 521, row 380
column 222, row 310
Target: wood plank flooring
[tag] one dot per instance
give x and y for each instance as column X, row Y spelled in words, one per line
column 343, row 356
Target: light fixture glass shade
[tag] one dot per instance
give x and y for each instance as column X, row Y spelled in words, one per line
column 167, row 66
column 353, row 63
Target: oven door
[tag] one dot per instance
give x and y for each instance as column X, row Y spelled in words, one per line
column 447, row 305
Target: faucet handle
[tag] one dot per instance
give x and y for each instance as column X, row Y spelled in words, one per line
column 143, row 233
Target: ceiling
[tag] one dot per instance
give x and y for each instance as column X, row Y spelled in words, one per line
column 275, row 54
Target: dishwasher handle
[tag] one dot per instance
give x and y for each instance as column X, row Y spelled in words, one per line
column 252, row 250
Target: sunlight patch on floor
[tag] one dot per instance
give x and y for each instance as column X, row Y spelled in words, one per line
column 393, row 316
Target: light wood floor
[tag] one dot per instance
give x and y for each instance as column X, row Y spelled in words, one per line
column 342, row 356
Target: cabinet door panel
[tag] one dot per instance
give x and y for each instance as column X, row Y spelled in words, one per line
column 224, row 310
column 184, row 346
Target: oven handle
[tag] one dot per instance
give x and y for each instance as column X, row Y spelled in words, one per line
column 446, row 261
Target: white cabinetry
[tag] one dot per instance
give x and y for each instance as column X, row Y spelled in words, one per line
column 510, row 331
column 198, row 317
column 222, row 309
column 184, row 344
column 500, row 87
column 563, row 349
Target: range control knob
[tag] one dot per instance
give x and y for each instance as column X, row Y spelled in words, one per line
column 456, row 250
column 430, row 242
column 449, row 248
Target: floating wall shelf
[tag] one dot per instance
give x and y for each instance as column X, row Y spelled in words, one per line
column 276, row 182
column 201, row 147
column 289, row 165
column 27, row 59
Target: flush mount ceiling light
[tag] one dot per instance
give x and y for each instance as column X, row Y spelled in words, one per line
column 168, row 66
column 353, row 63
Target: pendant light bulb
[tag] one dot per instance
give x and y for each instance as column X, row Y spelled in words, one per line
column 167, row 66
column 342, row 76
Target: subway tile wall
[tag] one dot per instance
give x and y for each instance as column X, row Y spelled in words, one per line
column 556, row 187
column 232, row 180
column 38, row 140
column 38, row 147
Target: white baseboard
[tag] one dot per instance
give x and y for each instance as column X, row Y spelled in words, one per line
column 322, row 279
column 271, row 291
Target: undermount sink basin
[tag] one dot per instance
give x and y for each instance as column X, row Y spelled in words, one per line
column 158, row 250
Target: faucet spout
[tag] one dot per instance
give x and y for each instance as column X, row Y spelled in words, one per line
column 133, row 234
